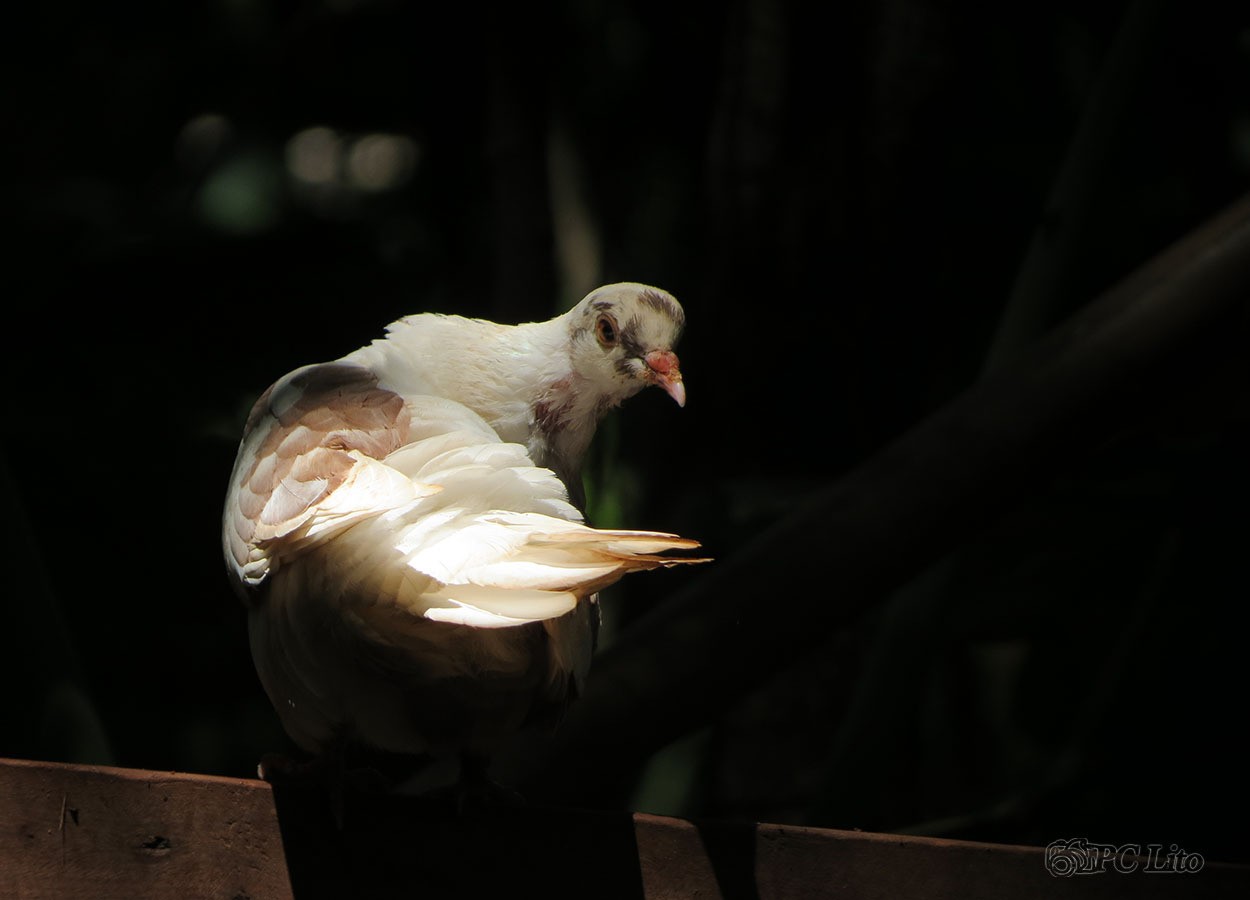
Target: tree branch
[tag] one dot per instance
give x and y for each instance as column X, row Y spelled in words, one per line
column 869, row 532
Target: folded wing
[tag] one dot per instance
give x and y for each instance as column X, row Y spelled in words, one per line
column 415, row 508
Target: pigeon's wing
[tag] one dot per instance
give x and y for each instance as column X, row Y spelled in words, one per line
column 398, row 508
column 310, row 465
column 497, row 543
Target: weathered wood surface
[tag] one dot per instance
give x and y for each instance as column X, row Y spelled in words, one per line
column 94, row 832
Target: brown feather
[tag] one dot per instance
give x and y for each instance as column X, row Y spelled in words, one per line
column 302, row 430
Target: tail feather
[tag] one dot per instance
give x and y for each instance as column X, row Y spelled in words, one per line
column 498, row 570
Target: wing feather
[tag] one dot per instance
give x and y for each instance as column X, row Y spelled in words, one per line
column 308, row 462
column 417, row 507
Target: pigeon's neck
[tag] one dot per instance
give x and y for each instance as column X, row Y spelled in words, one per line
column 564, row 408
column 565, row 415
column 519, row 378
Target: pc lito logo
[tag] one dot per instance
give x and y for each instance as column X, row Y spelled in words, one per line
column 1077, row 856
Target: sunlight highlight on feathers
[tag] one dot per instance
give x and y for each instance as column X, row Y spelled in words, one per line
column 403, row 523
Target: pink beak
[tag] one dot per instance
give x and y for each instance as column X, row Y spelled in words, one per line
column 665, row 371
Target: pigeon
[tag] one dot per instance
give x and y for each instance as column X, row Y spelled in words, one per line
column 404, row 526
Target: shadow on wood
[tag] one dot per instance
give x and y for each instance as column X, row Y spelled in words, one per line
column 89, row 831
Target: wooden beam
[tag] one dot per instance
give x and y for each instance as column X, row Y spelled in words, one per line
column 90, row 831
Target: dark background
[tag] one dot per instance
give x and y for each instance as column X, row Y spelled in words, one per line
column 843, row 197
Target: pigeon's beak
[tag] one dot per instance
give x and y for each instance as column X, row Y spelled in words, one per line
column 663, row 370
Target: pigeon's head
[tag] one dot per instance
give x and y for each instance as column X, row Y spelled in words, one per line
column 622, row 341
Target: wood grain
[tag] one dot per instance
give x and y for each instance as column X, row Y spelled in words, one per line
column 82, row 831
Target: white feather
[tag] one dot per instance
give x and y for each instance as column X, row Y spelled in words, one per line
column 436, row 593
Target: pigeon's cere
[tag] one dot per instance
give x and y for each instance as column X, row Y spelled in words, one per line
column 403, row 523
column 665, row 373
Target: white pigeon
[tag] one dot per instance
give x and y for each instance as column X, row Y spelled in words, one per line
column 399, row 524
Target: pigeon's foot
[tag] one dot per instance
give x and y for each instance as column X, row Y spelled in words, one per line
column 280, row 769
column 479, row 797
column 476, row 793
column 327, row 773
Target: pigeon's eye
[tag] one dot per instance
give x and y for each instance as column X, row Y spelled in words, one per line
column 605, row 331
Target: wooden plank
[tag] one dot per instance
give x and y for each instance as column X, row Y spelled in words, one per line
column 87, row 831
column 82, row 831
column 684, row 859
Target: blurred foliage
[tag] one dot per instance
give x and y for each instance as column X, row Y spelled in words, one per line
column 202, row 197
